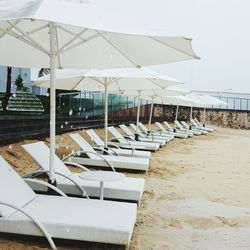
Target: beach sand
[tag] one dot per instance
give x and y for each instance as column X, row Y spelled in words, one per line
column 196, row 195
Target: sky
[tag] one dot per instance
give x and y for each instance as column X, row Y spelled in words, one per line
column 221, row 38
column 220, row 33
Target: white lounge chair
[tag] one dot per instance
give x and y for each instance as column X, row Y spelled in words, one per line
column 175, row 134
column 197, row 126
column 127, row 189
column 142, row 137
column 89, row 157
column 193, row 129
column 167, row 126
column 158, row 139
column 195, row 122
column 116, row 149
column 127, row 142
column 158, row 133
column 24, row 212
column 184, row 130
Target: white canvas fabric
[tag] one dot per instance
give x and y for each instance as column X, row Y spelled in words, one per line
column 56, row 39
column 118, row 80
column 113, row 44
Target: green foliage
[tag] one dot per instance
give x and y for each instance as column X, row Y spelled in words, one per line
column 20, row 86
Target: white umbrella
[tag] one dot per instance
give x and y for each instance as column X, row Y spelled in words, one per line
column 152, row 94
column 65, row 34
column 114, row 80
column 211, row 101
column 186, row 100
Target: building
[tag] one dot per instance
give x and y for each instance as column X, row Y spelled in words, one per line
column 23, row 72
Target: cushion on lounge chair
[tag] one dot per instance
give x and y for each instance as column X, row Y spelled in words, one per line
column 13, row 189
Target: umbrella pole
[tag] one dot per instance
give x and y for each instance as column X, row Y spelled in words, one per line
column 138, row 115
column 204, row 117
column 191, row 116
column 52, row 101
column 176, row 112
column 106, row 114
column 151, row 114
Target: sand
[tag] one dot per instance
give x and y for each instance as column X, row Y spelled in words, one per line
column 197, row 195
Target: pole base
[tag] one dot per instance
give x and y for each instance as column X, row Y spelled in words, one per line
column 104, row 152
column 136, row 137
column 50, row 191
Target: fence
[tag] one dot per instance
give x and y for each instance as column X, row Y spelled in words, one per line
column 91, row 104
column 236, row 101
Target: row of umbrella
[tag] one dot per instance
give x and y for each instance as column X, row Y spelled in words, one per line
column 60, row 34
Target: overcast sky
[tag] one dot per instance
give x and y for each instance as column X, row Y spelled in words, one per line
column 221, row 37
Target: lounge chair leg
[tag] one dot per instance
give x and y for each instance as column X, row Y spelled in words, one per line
column 51, row 191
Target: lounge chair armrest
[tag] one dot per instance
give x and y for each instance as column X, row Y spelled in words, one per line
column 76, row 165
column 39, row 172
column 34, row 219
column 102, row 148
column 114, row 145
column 34, row 173
column 88, row 152
column 46, row 184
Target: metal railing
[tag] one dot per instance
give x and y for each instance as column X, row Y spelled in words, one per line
column 236, row 101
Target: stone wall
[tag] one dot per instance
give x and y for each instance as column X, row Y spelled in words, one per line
column 218, row 117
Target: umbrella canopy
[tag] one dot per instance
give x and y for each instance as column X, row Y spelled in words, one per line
column 87, row 37
column 213, row 101
column 194, row 100
column 61, row 33
column 115, row 80
column 154, row 94
column 186, row 100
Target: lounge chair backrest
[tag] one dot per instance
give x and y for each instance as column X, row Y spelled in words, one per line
column 167, row 125
column 117, row 135
column 197, row 121
column 84, row 145
column 133, row 126
column 184, row 124
column 126, row 130
column 178, row 124
column 40, row 152
column 143, row 127
column 13, row 189
column 194, row 123
column 94, row 137
column 159, row 126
